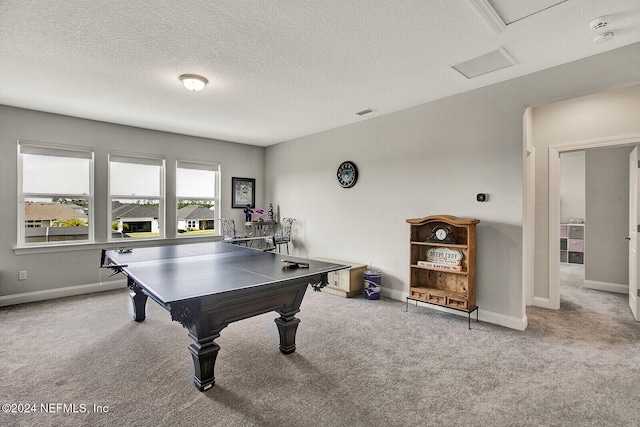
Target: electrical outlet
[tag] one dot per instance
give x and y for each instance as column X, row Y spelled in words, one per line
column 22, row 275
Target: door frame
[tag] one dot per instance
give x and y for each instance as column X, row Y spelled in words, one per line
column 632, row 237
column 554, row 202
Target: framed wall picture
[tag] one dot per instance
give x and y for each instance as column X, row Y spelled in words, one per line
column 243, row 192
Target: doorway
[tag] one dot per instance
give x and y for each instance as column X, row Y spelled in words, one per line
column 555, row 219
column 603, row 119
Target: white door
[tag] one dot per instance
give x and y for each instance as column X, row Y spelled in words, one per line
column 634, row 224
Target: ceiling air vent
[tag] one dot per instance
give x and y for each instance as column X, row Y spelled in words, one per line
column 367, row 111
column 484, row 64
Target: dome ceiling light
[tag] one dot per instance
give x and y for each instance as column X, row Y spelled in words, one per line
column 193, row 82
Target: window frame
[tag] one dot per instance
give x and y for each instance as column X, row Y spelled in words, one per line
column 56, row 150
column 143, row 159
column 199, row 165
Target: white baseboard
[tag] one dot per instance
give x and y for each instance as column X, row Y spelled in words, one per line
column 61, row 292
column 542, row 303
column 606, row 286
column 483, row 315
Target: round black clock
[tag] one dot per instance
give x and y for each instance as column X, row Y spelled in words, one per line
column 347, row 174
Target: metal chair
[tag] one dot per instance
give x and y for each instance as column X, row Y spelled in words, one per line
column 283, row 235
column 229, row 231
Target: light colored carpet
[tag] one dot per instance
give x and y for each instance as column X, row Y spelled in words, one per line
column 358, row 363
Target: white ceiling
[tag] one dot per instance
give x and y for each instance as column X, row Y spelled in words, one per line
column 278, row 69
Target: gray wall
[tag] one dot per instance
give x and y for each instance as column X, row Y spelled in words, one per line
column 607, row 204
column 50, row 271
column 428, row 160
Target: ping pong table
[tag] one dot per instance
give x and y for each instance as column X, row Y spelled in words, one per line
column 206, row 286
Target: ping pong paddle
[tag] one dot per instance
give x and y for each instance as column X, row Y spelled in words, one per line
column 295, row 264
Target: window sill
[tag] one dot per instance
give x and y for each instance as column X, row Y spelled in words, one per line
column 129, row 243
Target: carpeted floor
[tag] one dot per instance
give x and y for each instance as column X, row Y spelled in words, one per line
column 358, row 363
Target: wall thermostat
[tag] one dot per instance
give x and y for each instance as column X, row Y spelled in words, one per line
column 482, row 197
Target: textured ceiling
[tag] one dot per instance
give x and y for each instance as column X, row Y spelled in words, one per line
column 277, row 69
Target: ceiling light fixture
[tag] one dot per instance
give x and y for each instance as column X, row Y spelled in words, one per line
column 193, row 82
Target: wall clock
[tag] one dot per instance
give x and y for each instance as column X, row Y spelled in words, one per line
column 347, row 174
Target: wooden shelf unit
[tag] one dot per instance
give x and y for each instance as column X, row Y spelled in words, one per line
column 447, row 288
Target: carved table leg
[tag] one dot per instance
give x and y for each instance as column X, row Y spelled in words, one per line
column 287, row 326
column 138, row 302
column 204, row 362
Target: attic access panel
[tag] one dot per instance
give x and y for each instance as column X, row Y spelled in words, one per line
column 514, row 10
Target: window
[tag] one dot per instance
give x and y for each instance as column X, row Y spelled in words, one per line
column 136, row 195
column 197, row 196
column 55, row 194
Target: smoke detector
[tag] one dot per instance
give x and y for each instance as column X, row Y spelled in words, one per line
column 604, row 37
column 599, row 24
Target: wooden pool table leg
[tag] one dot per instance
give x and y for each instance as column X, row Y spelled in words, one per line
column 287, row 326
column 204, row 362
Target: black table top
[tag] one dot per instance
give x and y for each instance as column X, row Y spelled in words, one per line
column 180, row 272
